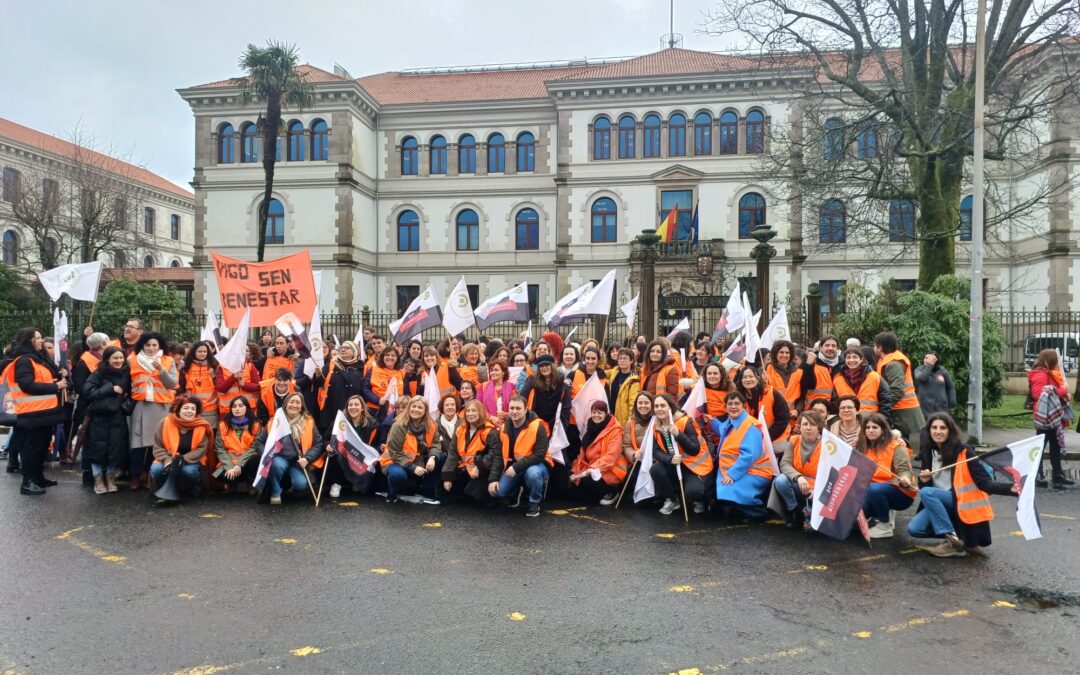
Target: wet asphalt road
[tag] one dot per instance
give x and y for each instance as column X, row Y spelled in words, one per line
column 113, row 584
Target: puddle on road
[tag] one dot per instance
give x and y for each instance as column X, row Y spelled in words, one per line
column 1041, row 598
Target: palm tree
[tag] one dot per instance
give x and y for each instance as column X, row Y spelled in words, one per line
column 273, row 77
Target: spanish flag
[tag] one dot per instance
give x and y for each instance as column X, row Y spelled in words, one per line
column 668, row 227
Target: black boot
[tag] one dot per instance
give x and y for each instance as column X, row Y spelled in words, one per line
column 46, row 483
column 31, row 488
column 1060, row 481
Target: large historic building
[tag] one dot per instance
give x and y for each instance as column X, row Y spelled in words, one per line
column 61, row 197
column 546, row 174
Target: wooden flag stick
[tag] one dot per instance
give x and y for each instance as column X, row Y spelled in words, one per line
column 682, row 492
column 972, row 457
column 93, row 306
column 322, row 481
column 311, row 487
column 629, row 475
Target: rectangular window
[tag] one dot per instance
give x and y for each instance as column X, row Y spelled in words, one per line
column 405, row 296
column 534, row 299
column 148, row 220
column 831, row 302
column 468, row 236
column 174, row 227
column 474, row 294
column 901, row 220
column 683, row 200
column 467, row 158
column 12, row 184
column 50, row 194
column 905, row 285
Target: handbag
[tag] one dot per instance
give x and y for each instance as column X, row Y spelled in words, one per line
column 128, row 406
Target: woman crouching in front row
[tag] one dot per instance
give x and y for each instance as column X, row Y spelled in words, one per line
column 185, row 436
column 306, row 450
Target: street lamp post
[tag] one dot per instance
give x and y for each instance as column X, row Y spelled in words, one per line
column 762, row 253
column 648, row 240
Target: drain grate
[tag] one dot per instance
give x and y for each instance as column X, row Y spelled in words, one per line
column 1041, row 598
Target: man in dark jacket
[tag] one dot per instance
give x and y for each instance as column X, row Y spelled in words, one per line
column 523, row 462
column 934, row 386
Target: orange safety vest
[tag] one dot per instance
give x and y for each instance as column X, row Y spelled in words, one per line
column 410, row 447
column 972, row 504
column 380, row 381
column 90, row 360
column 792, row 391
column 170, row 436
column 237, row 444
column 24, row 403
column 884, row 461
column 808, row 469
column 226, row 398
column 307, row 439
column 526, row 441
column 823, row 385
column 324, row 390
column 199, row 381
column 269, row 398
column 468, row 451
column 908, row 399
column 274, row 362
column 141, row 378
column 729, row 451
column 701, row 463
column 470, row 373
column 715, row 405
column 765, row 409
column 442, row 374
column 867, row 394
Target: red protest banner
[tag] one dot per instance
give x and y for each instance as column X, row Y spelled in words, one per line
column 269, row 288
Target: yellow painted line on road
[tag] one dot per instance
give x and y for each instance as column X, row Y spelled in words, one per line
column 67, row 533
column 286, row 541
column 211, row 516
column 863, row 634
column 93, row 550
column 208, row 669
column 515, row 616
column 681, row 589
column 1003, row 603
column 909, row 551
column 432, row 526
column 580, row 516
column 381, row 570
column 186, row 596
column 305, row 651
column 348, row 504
column 1053, row 517
column 674, row 535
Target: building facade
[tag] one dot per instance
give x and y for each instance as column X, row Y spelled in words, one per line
column 63, row 202
column 547, row 174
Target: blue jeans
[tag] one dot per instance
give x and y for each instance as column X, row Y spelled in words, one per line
column 934, row 519
column 397, row 477
column 534, row 479
column 189, row 473
column 786, row 490
column 99, row 469
column 881, row 497
column 278, row 469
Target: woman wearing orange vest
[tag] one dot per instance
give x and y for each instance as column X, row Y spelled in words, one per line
column 306, row 451
column 468, row 462
column 798, row 469
column 34, row 385
column 184, row 434
column 660, row 373
column 745, row 473
column 600, row 467
column 198, row 378
column 375, row 385
column 954, row 503
column 762, row 400
column 783, row 374
column 280, row 356
column 154, row 380
column 412, row 452
column 244, row 382
column 717, row 386
column 106, row 436
column 678, row 441
column 235, row 445
column 81, row 371
column 857, row 378
column 469, row 366
column 897, row 375
column 448, row 377
column 892, row 487
column 634, row 431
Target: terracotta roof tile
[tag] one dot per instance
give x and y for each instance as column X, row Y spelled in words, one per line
column 308, row 71
column 674, row 61
column 446, row 87
column 58, row 146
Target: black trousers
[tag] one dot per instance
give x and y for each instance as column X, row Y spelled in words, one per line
column 667, row 483
column 35, row 447
column 589, row 491
column 1054, row 449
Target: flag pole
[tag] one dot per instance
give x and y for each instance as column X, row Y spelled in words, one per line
column 682, row 493
column 93, row 306
column 310, row 486
column 973, row 456
column 627, row 483
column 322, row 480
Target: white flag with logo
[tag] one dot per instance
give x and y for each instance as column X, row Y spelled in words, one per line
column 431, row 393
column 581, row 406
column 558, row 438
column 80, row 281
column 753, row 340
column 458, row 312
column 315, row 336
column 60, row 333
column 644, row 488
column 682, row 325
column 597, row 300
column 629, row 311
column 423, row 313
column 510, row 305
column 1022, row 462
column 359, row 340
column 696, row 400
column 778, row 329
column 767, row 446
column 552, row 317
column 234, row 353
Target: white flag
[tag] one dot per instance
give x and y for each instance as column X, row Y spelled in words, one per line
column 431, row 393
column 696, row 400
column 553, row 316
column 359, row 340
column 60, row 336
column 644, row 487
column 753, row 340
column 566, row 340
column 581, row 406
column 767, row 446
column 778, row 329
column 834, row 453
column 1023, row 467
column 212, row 330
column 80, row 282
column 511, row 305
column 597, row 300
column 316, row 277
column 682, row 325
column 528, row 336
column 423, row 313
column 279, row 434
column 558, row 438
column 391, row 393
column 629, row 310
column 736, row 314
column 458, row 312
column 234, row 353
column 315, row 336
column 345, row 434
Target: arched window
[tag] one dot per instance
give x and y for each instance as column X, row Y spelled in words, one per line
column 833, row 141
column 751, row 213
column 466, row 154
column 496, row 153
column 604, row 220
column 729, row 133
column 866, row 144
column 438, row 155
column 703, row 134
column 901, row 220
column 12, row 184
column 275, row 223
column 148, row 220
column 409, row 158
column 148, row 261
column 11, row 248
column 226, row 146
column 527, row 224
column 626, row 137
column 468, row 231
column 408, row 231
column 677, row 135
column 602, row 138
column 833, row 222
column 966, row 214
column 526, row 152
column 297, row 151
column 174, row 263
column 249, row 143
column 320, row 141
column 651, row 140
column 755, row 132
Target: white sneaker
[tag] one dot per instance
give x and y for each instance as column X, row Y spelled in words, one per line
column 883, row 530
column 699, row 507
column 609, row 499
column 431, row 502
column 670, row 506
column 335, row 491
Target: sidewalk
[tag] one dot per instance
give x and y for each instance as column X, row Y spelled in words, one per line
column 995, row 438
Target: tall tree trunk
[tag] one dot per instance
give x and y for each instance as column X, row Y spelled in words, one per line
column 939, row 183
column 270, row 137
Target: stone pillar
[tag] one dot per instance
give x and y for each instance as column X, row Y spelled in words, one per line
column 510, row 155
column 481, row 159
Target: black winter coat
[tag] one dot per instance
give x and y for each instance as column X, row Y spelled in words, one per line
column 106, row 428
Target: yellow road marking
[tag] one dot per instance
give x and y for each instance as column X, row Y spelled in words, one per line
column 1004, row 603
column 432, row 526
column 515, row 616
column 348, row 504
column 207, row 669
column 305, row 651
column 665, row 535
column 186, row 596
column 381, row 570
column 286, row 541
column 681, row 589
column 67, row 534
column 97, row 552
column 863, row 634
column 211, row 515
column 1053, row 517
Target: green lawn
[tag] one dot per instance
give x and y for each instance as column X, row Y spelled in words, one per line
column 1008, row 414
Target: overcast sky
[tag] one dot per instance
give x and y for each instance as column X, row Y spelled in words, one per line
column 113, row 66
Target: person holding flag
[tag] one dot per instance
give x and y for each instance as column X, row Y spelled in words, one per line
column 467, row 470
column 524, row 463
column 197, row 378
column 681, row 459
column 634, row 432
column 798, row 468
column 412, row 452
column 892, row 487
column 745, row 473
column 375, row 385
column 303, row 448
column 353, row 437
column 446, row 375
column 183, row 434
column 344, row 379
column 954, row 503
column 600, row 467
column 235, row 445
column 281, row 355
column 763, row 400
column 717, row 385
